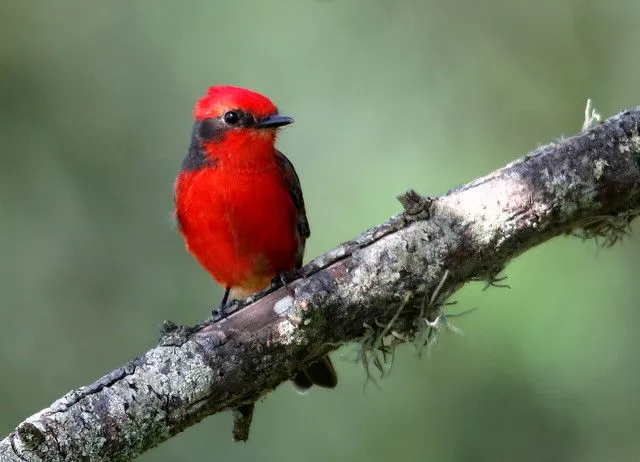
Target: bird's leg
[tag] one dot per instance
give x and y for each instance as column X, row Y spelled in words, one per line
column 223, row 303
column 225, row 297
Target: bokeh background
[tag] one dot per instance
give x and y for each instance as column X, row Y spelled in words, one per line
column 95, row 103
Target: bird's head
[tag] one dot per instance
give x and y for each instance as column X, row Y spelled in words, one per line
column 236, row 122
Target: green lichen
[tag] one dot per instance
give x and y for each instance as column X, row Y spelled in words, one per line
column 607, row 230
column 591, row 117
column 376, row 348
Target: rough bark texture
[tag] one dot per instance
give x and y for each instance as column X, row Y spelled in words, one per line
column 380, row 283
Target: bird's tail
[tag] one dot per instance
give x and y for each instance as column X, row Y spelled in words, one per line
column 321, row 373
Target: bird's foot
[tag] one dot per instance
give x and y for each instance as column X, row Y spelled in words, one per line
column 222, row 312
column 226, row 307
column 284, row 278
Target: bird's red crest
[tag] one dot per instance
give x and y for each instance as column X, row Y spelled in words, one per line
column 222, row 98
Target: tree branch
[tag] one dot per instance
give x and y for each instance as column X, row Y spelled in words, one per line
column 387, row 284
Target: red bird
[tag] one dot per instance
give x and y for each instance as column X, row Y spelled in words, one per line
column 239, row 204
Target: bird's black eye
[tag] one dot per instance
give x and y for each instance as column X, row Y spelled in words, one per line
column 231, row 117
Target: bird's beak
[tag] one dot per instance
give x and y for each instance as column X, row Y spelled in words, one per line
column 274, row 121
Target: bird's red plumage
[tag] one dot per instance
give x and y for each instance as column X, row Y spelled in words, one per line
column 224, row 97
column 237, row 215
column 241, row 228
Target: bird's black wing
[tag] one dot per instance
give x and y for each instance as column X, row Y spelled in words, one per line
column 295, row 191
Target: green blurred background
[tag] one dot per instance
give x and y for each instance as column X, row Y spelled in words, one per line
column 95, row 104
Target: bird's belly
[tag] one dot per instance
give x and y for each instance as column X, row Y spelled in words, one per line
column 243, row 233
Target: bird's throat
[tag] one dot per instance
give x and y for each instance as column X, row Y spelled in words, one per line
column 253, row 153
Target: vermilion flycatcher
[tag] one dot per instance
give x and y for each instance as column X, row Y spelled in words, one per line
column 239, row 204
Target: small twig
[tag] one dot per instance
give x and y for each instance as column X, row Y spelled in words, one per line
column 242, row 418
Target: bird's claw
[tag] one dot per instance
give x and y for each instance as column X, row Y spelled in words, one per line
column 284, row 278
column 222, row 312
